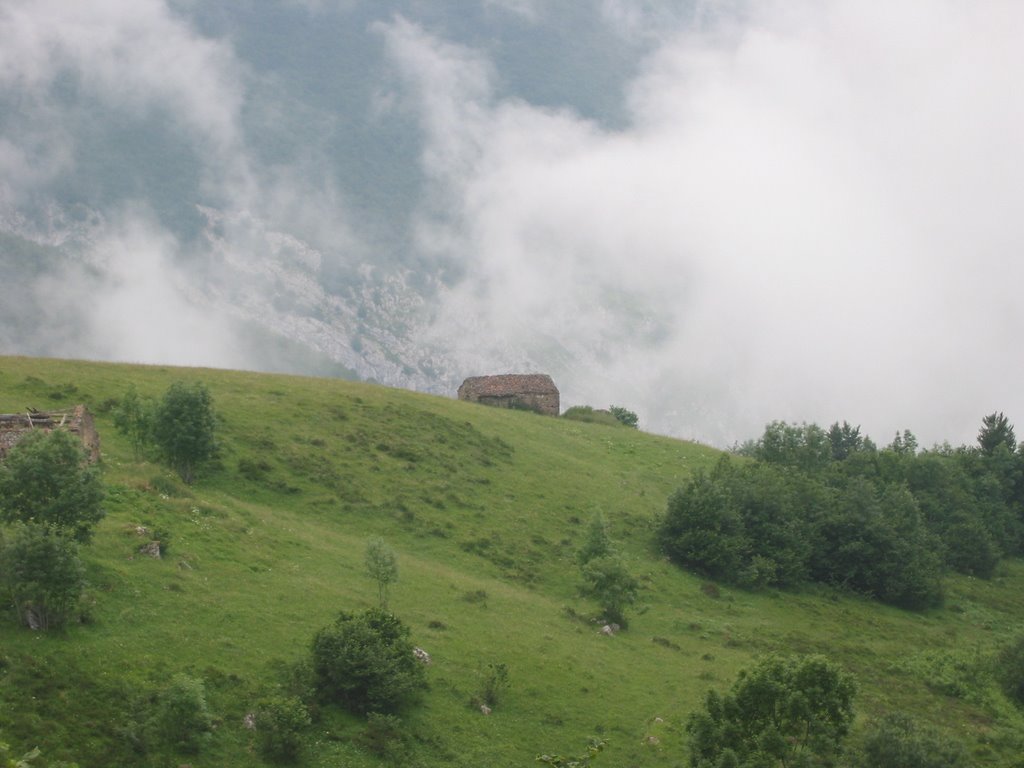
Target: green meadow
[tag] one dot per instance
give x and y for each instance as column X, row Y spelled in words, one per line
column 485, row 509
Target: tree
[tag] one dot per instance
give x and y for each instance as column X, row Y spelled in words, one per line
column 382, row 566
column 624, row 415
column 365, row 662
column 40, row 569
column 45, row 480
column 783, row 712
column 608, row 580
column 805, row 446
column 996, row 430
column 133, row 417
column 183, row 427
column 845, row 440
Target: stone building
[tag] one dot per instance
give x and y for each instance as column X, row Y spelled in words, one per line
column 532, row 392
column 78, row 421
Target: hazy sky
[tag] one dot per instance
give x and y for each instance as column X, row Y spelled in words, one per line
column 802, row 211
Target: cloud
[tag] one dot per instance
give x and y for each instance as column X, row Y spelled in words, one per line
column 811, row 215
column 134, row 55
column 144, row 308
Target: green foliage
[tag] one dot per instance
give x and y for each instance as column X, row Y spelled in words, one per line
column 875, row 542
column 597, row 541
column 182, row 718
column 280, row 723
column 592, row 415
column 625, row 416
column 784, row 711
column 45, row 481
column 903, row 444
column 804, row 446
column 897, row 741
column 996, row 430
column 746, row 524
column 493, row 685
column 183, row 428
column 594, row 748
column 385, row 736
column 42, row 574
column 134, row 417
column 1010, row 671
column 846, row 440
column 607, row 579
column 365, row 663
column 382, row 567
column 9, row 761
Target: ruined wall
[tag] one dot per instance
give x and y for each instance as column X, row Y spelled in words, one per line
column 78, row 421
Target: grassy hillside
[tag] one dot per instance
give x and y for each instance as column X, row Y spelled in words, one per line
column 485, row 509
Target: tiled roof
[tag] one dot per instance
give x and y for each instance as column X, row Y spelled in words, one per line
column 510, row 384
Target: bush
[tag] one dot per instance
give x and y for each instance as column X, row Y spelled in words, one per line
column 365, row 663
column 40, row 568
column 624, row 416
column 897, row 742
column 598, row 541
column 589, row 414
column 45, row 480
column 182, row 718
column 493, row 687
column 280, row 721
column 385, row 737
column 1010, row 671
column 783, row 711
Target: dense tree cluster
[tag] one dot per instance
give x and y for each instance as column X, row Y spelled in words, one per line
column 829, row 506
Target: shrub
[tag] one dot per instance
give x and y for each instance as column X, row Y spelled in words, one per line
column 1010, row 671
column 365, row 662
column 493, row 686
column 589, row 414
column 280, row 721
column 385, row 736
column 182, row 717
column 896, row 741
column 624, row 416
column 40, row 568
column 784, row 711
column 597, row 541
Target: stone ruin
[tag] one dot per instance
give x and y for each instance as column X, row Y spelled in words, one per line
column 529, row 391
column 78, row 421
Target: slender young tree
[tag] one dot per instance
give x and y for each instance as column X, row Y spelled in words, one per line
column 382, row 566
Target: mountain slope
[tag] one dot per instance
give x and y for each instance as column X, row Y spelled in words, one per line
column 485, row 509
